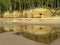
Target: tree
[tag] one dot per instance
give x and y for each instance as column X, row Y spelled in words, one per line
column 9, row 5
column 6, row 4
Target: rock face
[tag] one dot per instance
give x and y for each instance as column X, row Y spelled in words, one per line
column 7, row 15
column 58, row 12
column 14, row 14
column 37, row 13
column 41, row 13
column 17, row 14
column 25, row 13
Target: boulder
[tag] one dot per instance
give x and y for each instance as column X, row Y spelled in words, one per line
column 7, row 15
column 41, row 13
column 25, row 13
column 17, row 14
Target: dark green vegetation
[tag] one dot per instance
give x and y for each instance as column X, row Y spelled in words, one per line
column 11, row 5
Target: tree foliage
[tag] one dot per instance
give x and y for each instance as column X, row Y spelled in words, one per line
column 10, row 5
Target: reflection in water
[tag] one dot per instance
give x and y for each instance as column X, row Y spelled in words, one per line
column 43, row 34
